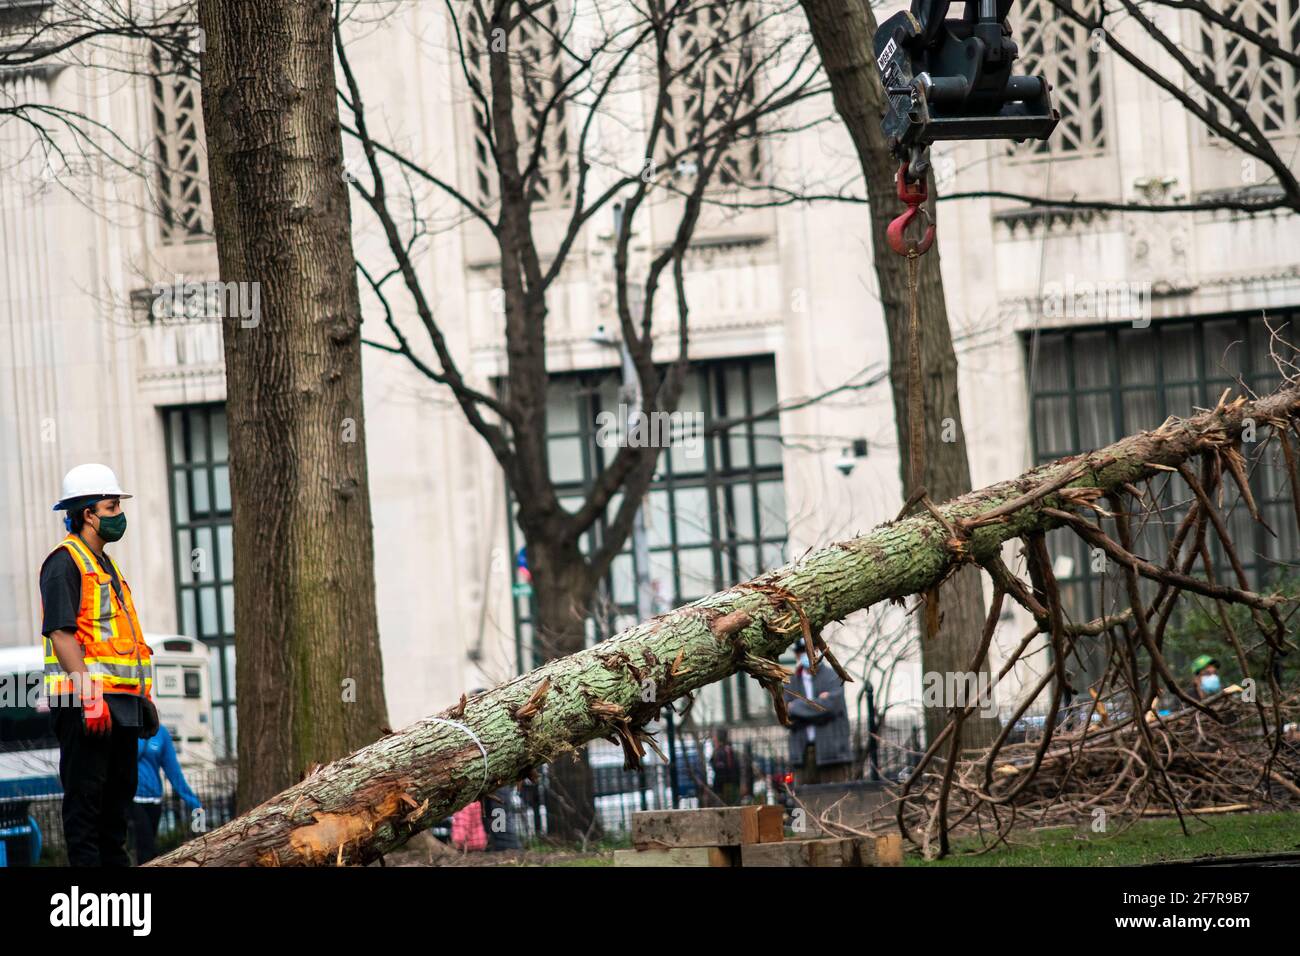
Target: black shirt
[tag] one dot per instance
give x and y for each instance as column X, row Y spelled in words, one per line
column 60, row 600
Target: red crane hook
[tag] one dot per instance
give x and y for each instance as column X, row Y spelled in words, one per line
column 914, row 195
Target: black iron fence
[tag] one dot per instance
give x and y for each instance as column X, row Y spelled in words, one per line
column 38, row 823
column 685, row 777
column 516, row 816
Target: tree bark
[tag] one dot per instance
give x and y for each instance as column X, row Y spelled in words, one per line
column 310, row 683
column 842, row 31
column 357, row 808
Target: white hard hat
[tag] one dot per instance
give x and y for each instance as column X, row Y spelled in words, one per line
column 89, row 481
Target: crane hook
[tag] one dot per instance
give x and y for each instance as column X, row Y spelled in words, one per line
column 914, row 195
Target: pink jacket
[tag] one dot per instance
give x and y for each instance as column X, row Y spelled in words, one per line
column 467, row 831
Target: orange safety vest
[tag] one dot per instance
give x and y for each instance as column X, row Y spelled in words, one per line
column 108, row 630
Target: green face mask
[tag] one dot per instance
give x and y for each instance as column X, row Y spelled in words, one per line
column 112, row 527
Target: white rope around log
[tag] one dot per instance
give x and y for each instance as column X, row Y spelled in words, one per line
column 473, row 736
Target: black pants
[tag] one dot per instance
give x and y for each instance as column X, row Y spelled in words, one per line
column 98, row 773
column 144, row 821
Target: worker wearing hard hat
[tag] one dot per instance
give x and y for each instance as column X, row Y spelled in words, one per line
column 1205, row 670
column 98, row 669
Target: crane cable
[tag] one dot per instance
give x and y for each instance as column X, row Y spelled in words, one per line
column 915, row 195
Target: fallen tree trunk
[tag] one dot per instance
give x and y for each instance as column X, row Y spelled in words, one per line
column 361, row 806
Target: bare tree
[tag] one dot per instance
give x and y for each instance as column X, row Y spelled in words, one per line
column 738, row 82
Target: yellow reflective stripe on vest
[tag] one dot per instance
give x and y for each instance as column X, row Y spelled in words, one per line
column 125, row 674
column 128, row 602
column 56, row 681
column 101, row 608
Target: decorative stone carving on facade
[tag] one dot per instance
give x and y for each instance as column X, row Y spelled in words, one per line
column 1069, row 57
column 1268, row 87
column 1056, row 220
column 1282, row 275
column 736, row 250
column 1157, row 251
column 184, row 202
column 1158, row 245
column 177, row 344
column 1259, row 192
column 537, row 69
column 711, row 48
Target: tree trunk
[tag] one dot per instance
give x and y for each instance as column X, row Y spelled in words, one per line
column 357, row 808
column 842, row 31
column 310, row 684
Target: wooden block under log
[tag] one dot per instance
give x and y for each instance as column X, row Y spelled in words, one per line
column 832, row 851
column 709, row 826
column 884, row 850
column 790, row 853
column 677, row 856
column 771, row 824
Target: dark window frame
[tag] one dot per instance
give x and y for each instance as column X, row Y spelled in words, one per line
column 719, row 477
column 195, row 472
column 1206, row 383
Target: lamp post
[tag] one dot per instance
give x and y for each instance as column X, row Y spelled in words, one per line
column 629, row 394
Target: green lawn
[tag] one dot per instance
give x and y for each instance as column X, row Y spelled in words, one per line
column 1149, row 841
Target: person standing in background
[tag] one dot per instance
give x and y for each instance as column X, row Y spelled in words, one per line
column 1205, row 671
column 726, row 769
column 156, row 754
column 820, row 747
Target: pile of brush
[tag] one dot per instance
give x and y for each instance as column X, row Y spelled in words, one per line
column 1232, row 756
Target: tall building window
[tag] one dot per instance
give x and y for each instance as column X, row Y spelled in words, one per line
column 537, row 69
column 1090, row 387
column 198, row 455
column 1268, row 86
column 715, row 513
column 184, row 203
column 712, row 51
column 1069, row 58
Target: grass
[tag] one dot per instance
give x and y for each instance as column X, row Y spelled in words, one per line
column 1145, row 842
column 1148, row 841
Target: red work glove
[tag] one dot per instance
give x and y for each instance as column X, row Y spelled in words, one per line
column 94, row 709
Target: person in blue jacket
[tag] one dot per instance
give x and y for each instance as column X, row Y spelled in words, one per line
column 156, row 753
